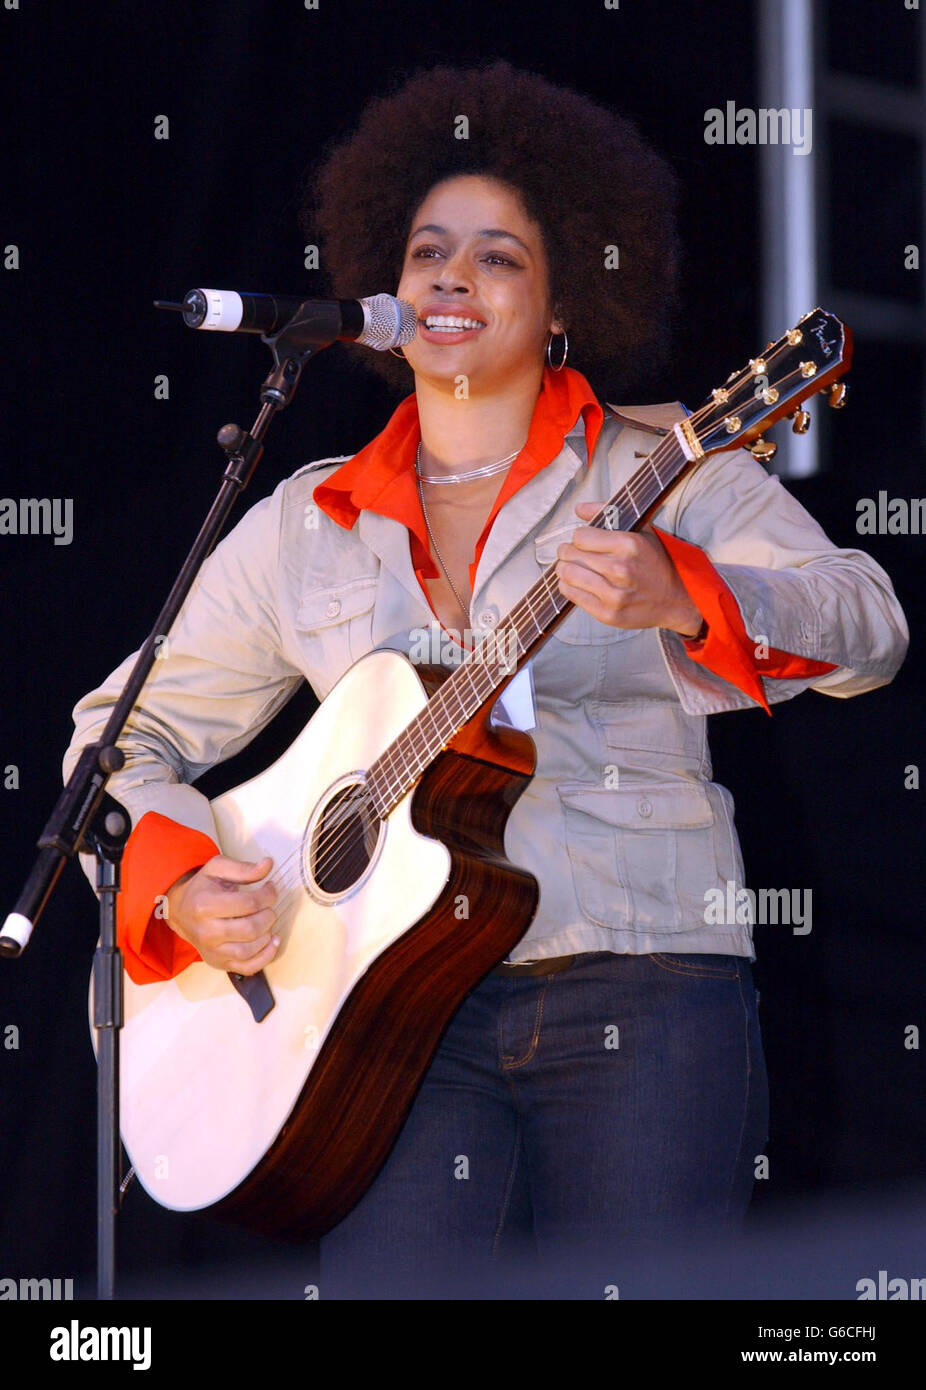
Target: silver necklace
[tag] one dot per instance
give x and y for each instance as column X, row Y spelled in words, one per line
column 464, row 607
column 486, row 471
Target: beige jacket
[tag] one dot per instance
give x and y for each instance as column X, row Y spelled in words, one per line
column 622, row 824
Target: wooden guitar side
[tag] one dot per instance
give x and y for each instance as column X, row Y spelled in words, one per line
column 367, row 1074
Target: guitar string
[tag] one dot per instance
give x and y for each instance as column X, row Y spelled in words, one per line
column 405, row 742
column 336, row 836
column 345, row 826
column 344, row 820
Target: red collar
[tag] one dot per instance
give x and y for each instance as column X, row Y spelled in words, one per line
column 381, row 477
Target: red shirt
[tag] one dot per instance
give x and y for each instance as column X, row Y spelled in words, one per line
column 381, row 478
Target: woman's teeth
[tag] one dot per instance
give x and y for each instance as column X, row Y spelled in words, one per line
column 445, row 323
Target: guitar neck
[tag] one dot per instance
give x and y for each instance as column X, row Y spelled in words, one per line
column 488, row 665
column 807, row 359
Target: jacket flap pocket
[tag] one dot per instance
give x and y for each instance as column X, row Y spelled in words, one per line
column 662, row 806
column 549, row 541
column 579, row 629
column 336, row 603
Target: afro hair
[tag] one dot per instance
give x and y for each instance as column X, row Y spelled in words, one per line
column 604, row 200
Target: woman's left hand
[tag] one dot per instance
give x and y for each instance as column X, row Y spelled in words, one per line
column 624, row 578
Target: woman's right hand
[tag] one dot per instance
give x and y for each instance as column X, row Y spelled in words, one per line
column 229, row 923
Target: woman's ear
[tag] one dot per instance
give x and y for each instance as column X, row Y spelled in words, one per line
column 556, row 323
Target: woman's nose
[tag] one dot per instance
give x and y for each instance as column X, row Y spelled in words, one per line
column 454, row 275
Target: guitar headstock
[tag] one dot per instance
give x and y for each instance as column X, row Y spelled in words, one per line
column 808, row 359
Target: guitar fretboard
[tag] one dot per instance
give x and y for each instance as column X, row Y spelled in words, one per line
column 492, row 660
column 808, row 358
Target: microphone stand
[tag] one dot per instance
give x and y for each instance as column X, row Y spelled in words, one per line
column 87, row 818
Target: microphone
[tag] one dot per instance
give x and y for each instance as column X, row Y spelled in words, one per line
column 379, row 322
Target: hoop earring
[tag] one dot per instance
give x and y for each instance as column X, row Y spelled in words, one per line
column 562, row 364
column 401, row 355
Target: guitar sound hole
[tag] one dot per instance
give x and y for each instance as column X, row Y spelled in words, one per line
column 344, row 840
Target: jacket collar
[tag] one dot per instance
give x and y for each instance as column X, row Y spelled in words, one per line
column 380, row 479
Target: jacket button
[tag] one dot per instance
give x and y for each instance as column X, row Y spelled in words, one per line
column 333, row 609
column 645, row 807
column 488, row 618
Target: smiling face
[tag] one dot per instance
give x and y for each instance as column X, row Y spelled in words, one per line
column 476, row 271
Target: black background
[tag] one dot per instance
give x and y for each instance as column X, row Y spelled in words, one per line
column 107, row 218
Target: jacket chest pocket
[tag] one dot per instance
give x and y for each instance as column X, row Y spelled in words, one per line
column 579, row 629
column 340, row 618
column 643, row 856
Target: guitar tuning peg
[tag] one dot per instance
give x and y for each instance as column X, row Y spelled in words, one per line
column 763, row 449
column 838, row 394
column 800, row 422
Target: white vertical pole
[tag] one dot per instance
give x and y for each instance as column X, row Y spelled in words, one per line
column 788, row 201
column 922, row 139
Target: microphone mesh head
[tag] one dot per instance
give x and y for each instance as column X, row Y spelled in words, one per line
column 389, row 322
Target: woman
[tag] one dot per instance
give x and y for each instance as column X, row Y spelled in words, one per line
column 605, row 1086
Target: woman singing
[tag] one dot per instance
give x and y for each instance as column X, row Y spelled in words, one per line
column 604, row 1087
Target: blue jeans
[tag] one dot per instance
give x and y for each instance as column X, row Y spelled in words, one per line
column 577, row 1117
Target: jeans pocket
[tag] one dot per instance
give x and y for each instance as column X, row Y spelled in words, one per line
column 699, row 965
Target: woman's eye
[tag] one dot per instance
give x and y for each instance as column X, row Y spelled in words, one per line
column 422, row 253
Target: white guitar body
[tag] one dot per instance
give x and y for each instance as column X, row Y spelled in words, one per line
column 205, row 1088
